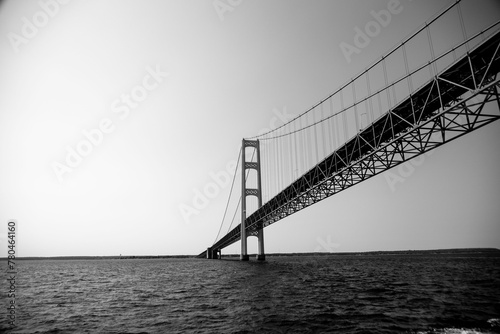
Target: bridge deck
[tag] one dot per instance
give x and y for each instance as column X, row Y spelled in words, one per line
column 407, row 116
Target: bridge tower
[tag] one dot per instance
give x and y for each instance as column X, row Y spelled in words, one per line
column 250, row 192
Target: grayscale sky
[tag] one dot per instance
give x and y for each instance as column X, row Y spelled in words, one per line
column 202, row 75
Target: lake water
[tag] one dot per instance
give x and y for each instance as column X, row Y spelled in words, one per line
column 455, row 293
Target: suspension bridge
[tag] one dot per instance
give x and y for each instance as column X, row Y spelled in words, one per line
column 427, row 91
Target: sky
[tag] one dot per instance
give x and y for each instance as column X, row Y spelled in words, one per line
column 157, row 96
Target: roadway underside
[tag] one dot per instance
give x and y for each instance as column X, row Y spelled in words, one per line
column 447, row 107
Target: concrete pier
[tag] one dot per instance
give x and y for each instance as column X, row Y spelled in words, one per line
column 260, row 250
column 213, row 253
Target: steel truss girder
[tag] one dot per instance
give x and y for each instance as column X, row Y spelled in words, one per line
column 448, row 107
column 443, row 127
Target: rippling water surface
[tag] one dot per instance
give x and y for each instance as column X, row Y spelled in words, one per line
column 299, row 294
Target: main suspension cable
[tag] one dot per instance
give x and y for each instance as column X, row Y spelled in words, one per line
column 229, row 198
column 344, row 86
column 239, row 202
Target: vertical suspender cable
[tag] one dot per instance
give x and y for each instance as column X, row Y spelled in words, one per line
column 343, row 121
column 315, row 134
column 462, row 24
column 387, row 89
column 370, row 108
column 410, row 83
column 323, row 134
column 331, row 127
column 290, row 157
column 295, row 144
column 302, row 145
column 282, row 165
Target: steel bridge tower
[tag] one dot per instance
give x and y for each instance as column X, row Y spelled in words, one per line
column 250, row 192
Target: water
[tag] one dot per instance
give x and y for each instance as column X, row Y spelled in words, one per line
column 311, row 294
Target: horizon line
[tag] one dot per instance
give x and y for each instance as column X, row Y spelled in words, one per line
column 120, row 256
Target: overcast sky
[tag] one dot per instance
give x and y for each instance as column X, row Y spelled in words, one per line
column 118, row 117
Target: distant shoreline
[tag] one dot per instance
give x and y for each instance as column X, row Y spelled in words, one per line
column 454, row 251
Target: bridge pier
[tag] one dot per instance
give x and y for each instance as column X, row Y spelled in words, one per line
column 260, row 250
column 213, row 253
column 244, row 253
